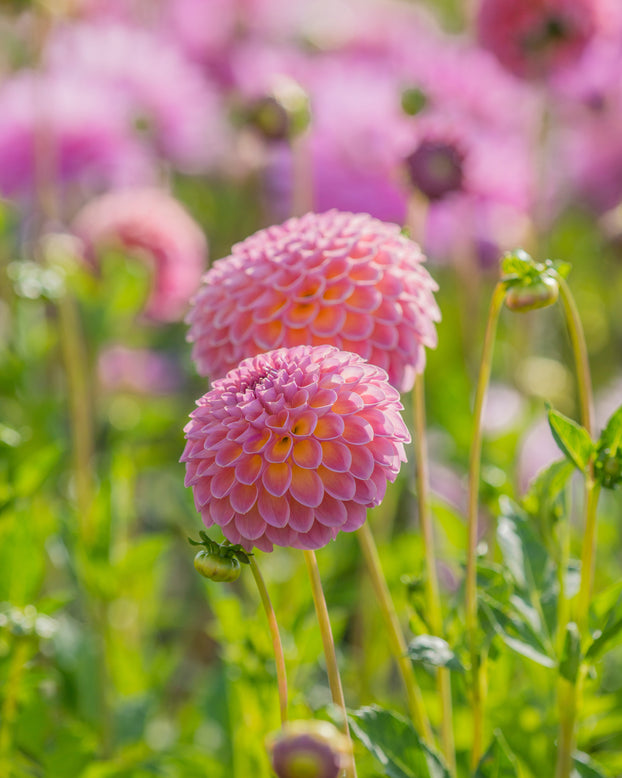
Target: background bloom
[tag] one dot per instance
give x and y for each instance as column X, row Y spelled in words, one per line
column 293, row 446
column 339, row 278
column 153, row 223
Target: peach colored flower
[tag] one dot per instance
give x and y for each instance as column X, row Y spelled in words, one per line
column 333, row 278
column 293, row 446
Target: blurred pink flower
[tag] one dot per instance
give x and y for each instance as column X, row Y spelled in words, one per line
column 339, row 278
column 59, row 130
column 137, row 370
column 155, row 225
column 165, row 93
column 293, row 445
column 535, row 38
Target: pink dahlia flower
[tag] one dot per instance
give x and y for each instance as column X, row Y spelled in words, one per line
column 154, row 224
column 339, row 278
column 538, row 37
column 294, row 445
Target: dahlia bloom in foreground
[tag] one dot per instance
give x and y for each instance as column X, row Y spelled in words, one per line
column 339, row 278
column 293, row 446
column 153, row 223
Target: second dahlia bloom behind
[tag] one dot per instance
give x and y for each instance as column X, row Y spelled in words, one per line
column 293, row 446
column 333, row 278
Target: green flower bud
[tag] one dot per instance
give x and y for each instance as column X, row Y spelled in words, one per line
column 530, row 295
column 216, row 567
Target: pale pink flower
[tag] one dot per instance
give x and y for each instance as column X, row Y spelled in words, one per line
column 536, row 38
column 339, row 278
column 158, row 227
column 137, row 370
column 178, row 108
column 294, row 445
column 61, row 131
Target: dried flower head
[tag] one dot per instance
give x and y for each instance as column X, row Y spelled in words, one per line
column 156, row 225
column 293, row 446
column 339, row 278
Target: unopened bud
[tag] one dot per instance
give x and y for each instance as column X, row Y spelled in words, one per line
column 540, row 293
column 309, row 749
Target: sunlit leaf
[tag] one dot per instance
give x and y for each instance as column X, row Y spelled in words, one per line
column 435, row 651
column 572, row 439
column 498, row 761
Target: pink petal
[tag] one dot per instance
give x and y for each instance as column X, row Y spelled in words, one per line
column 336, row 456
column 256, row 441
column 342, row 486
column 222, row 482
column 248, row 469
column 362, row 462
column 306, row 486
column 323, row 399
column 304, row 423
column 329, row 426
column 277, row 477
column 317, row 537
column 364, row 298
column 357, row 430
column 357, row 326
column 331, row 512
column 227, row 453
column 221, row 511
column 301, row 517
column 356, row 517
column 348, row 402
column 278, row 449
column 307, row 452
column 274, row 510
column 328, row 321
column 242, row 497
column 250, row 525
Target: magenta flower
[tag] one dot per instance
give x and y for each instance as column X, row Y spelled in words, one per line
column 538, row 37
column 339, row 278
column 293, row 446
column 154, row 224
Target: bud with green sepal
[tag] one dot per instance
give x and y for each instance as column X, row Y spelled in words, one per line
column 530, row 284
column 219, row 561
column 281, row 114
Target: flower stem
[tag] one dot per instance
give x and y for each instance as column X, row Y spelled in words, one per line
column 478, row 684
column 332, row 668
column 569, row 693
column 8, row 711
column 435, row 614
column 395, row 634
column 279, row 658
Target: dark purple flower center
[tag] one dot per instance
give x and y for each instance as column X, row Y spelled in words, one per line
column 436, row 168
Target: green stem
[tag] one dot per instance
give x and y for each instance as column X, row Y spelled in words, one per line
column 569, row 693
column 279, row 657
column 332, row 668
column 8, row 712
column 395, row 634
column 579, row 348
column 302, row 175
column 434, row 613
column 478, row 684
column 74, row 356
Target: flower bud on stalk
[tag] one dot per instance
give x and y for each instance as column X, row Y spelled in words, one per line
column 309, row 749
column 218, row 562
column 532, row 295
column 530, row 284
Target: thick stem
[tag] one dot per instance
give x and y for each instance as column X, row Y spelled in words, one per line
column 395, row 634
column 478, row 685
column 279, row 658
column 435, row 614
column 332, row 668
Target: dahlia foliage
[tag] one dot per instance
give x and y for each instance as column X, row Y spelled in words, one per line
column 293, row 446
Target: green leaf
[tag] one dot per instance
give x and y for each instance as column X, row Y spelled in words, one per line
column 611, row 629
column 608, row 465
column 498, row 761
column 573, row 440
column 516, row 265
column 584, row 767
column 571, row 653
column 526, row 559
column 517, row 630
column 395, row 744
column 545, row 496
column 435, row 651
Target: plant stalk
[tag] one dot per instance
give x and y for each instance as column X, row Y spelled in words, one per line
column 435, row 614
column 328, row 643
column 395, row 634
column 277, row 646
column 478, row 683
